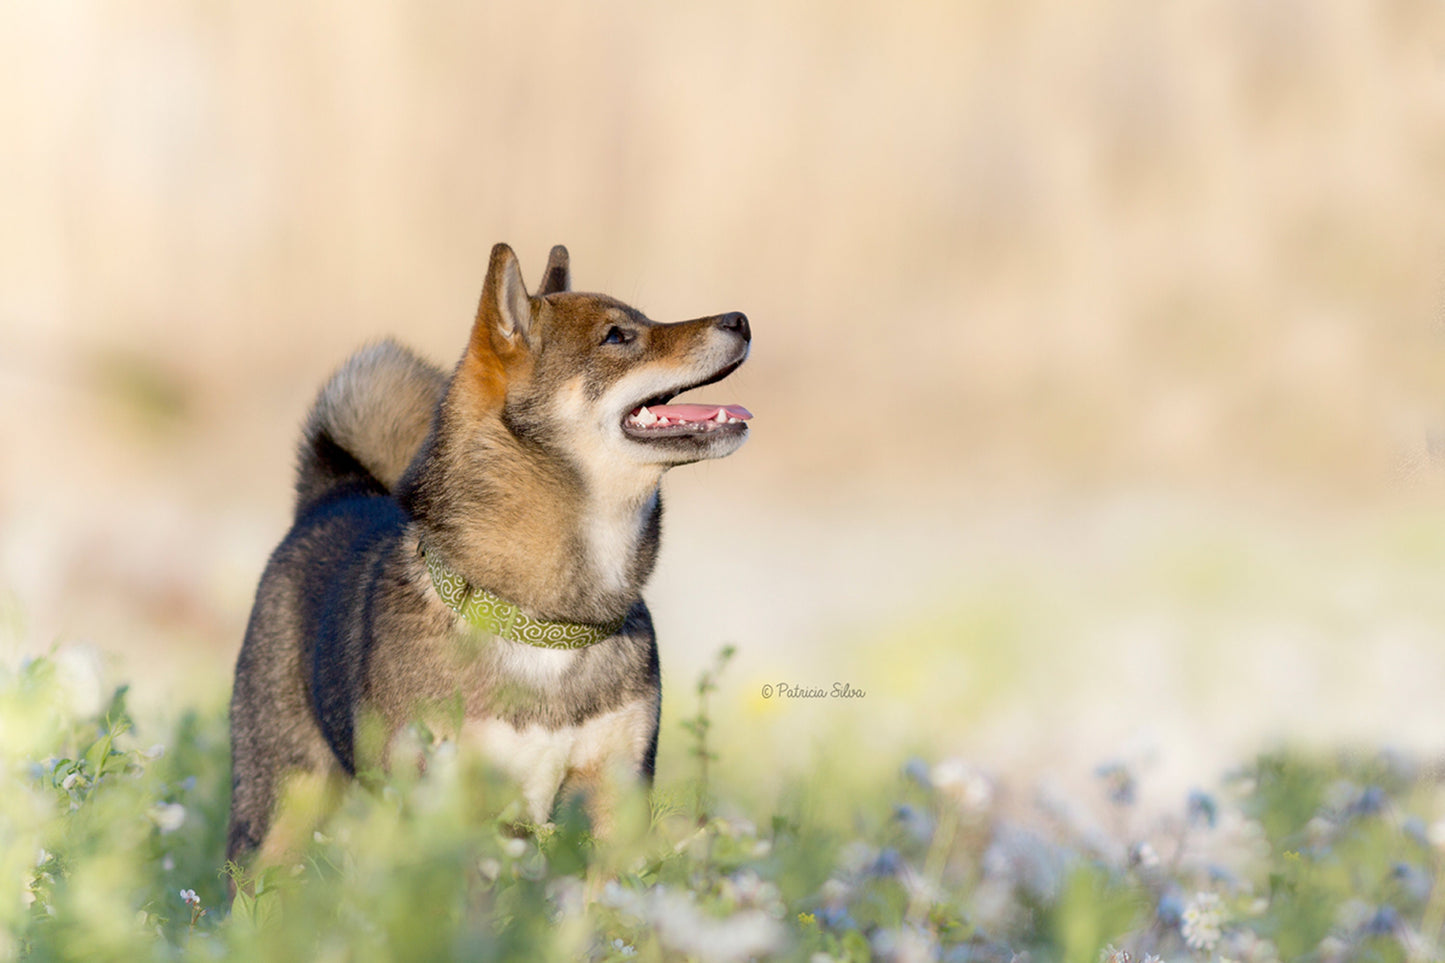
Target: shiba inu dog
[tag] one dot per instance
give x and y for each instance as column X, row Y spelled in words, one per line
column 481, row 540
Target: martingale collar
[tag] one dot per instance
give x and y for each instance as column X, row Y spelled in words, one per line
column 494, row 615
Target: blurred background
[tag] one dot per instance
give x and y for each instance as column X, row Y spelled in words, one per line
column 1098, row 348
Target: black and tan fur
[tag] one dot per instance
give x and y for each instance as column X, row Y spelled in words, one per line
column 516, row 470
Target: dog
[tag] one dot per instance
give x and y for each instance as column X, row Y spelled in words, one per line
column 480, row 540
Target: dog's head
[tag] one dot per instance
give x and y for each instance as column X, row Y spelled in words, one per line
column 592, row 379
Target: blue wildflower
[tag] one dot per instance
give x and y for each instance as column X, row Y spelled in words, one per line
column 917, row 770
column 1171, row 908
column 1413, row 881
column 1221, row 875
column 888, row 863
column 1385, row 922
column 1415, row 828
column 1201, row 810
column 1119, row 783
column 917, row 823
column 1370, row 802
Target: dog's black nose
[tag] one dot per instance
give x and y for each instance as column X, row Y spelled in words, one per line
column 735, row 321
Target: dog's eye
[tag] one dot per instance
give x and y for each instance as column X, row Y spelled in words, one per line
column 616, row 335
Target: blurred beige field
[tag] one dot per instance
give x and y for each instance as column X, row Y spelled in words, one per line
column 1097, row 346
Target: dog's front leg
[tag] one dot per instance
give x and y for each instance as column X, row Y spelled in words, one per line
column 535, row 757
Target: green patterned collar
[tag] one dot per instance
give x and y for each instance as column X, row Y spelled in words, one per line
column 496, row 616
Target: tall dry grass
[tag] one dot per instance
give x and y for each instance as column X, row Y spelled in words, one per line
column 1106, row 241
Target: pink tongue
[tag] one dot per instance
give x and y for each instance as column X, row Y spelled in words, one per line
column 698, row 412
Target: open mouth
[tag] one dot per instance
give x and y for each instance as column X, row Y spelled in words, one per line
column 655, row 418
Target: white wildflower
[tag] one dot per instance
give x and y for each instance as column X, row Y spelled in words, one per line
column 566, row 896
column 906, row 945
column 1353, row 914
column 836, row 893
column 624, row 899
column 1110, row 954
column 168, row 816
column 515, row 848
column 920, row 888
column 747, row 889
column 684, row 928
column 69, row 781
column 738, row 828
column 189, row 897
column 1245, row 944
column 626, row 949
column 1319, row 830
column 1340, row 794
column 963, row 784
column 1202, row 922
column 77, row 670
column 855, row 855
column 1146, row 855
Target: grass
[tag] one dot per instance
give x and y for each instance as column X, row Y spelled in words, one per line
column 111, row 838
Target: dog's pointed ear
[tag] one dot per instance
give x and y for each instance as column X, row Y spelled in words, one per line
column 504, row 316
column 558, row 275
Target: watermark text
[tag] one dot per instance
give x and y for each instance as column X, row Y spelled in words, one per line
column 788, row 690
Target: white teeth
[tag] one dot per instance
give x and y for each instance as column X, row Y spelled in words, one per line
column 643, row 418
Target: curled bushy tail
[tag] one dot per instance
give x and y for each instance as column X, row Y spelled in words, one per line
column 368, row 422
